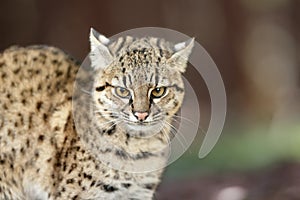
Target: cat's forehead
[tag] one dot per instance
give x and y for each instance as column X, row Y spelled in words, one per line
column 136, row 76
column 140, row 61
column 141, row 49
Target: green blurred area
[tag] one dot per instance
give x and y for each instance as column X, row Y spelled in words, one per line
column 241, row 150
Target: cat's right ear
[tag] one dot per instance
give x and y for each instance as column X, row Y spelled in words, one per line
column 100, row 55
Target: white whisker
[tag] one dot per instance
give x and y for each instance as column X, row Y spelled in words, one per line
column 178, row 135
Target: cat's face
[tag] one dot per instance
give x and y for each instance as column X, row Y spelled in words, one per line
column 141, row 87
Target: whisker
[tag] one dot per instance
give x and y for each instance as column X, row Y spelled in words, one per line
column 165, row 134
column 108, row 122
column 184, row 118
column 86, row 91
column 178, row 135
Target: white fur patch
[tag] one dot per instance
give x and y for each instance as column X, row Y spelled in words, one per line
column 104, row 40
column 179, row 46
column 35, row 192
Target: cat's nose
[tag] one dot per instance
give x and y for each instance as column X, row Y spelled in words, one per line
column 141, row 116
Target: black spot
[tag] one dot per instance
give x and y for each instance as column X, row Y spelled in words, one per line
column 75, row 197
column 45, row 117
column 30, row 121
column 130, row 102
column 161, row 52
column 87, row 176
column 54, row 61
column 27, row 143
column 126, row 185
column 175, row 103
column 149, row 186
column 112, row 130
column 109, row 188
column 39, row 86
column 4, row 106
column 64, row 166
column 143, row 155
column 9, row 132
column 121, row 154
column 100, row 88
column 124, row 80
column 58, row 73
column 129, row 77
column 156, row 76
column 93, row 183
column 16, row 71
column 124, row 70
column 22, row 150
column 3, row 75
column 23, row 101
column 2, row 162
column 39, row 105
column 70, row 181
column 100, row 102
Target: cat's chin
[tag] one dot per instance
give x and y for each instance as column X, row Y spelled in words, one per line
column 146, row 129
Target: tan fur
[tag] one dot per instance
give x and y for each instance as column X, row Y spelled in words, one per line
column 42, row 156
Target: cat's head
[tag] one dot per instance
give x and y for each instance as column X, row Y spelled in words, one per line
column 138, row 82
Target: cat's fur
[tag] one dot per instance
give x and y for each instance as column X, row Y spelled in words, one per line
column 44, row 156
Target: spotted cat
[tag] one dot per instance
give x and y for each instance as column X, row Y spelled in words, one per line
column 110, row 145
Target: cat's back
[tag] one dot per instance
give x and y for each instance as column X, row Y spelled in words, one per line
column 33, row 75
column 34, row 81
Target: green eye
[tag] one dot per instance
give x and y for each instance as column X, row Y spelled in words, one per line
column 158, row 92
column 122, row 92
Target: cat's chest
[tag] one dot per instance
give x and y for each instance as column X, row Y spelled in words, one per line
column 109, row 185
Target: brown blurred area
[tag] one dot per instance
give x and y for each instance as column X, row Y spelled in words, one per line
column 255, row 44
column 243, row 37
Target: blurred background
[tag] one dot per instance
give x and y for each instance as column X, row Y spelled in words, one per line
column 256, row 46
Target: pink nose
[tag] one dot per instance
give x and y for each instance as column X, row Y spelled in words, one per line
column 141, row 116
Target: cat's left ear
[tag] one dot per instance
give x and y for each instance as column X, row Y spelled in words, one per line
column 181, row 55
column 100, row 55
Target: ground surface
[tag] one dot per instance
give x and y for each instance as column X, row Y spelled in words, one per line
column 275, row 183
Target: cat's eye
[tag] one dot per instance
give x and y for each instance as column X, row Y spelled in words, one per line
column 158, row 92
column 122, row 92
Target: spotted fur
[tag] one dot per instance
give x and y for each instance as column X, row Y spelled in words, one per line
column 43, row 155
